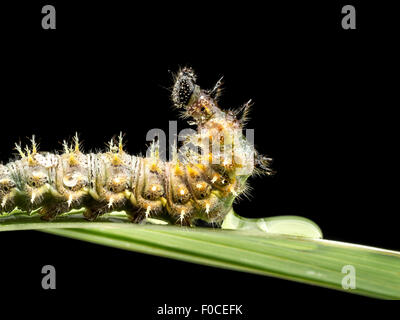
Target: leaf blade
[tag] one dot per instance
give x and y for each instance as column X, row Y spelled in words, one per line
column 306, row 260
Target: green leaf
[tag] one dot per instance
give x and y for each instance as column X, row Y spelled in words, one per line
column 249, row 248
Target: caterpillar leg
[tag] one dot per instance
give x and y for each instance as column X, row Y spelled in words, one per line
column 49, row 212
column 95, row 209
column 136, row 216
column 91, row 214
column 51, row 209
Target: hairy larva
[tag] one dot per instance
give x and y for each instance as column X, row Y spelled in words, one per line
column 199, row 183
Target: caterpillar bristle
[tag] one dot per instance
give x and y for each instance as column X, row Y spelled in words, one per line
column 200, row 182
column 216, row 92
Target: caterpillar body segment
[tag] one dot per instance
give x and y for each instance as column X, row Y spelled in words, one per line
column 199, row 183
column 176, row 192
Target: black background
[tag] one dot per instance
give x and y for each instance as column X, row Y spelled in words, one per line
column 323, row 110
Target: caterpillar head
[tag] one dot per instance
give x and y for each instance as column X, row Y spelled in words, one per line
column 185, row 84
column 197, row 103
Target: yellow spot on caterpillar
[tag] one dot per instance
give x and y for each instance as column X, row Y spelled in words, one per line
column 116, row 161
column 206, row 108
column 217, row 193
column 72, row 160
column 153, row 188
column 154, row 167
column 191, row 172
column 182, row 192
column 214, row 179
column 200, row 166
column 199, row 186
column 31, row 161
column 178, row 170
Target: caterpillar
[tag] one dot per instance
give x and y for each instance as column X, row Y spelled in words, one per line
column 198, row 183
